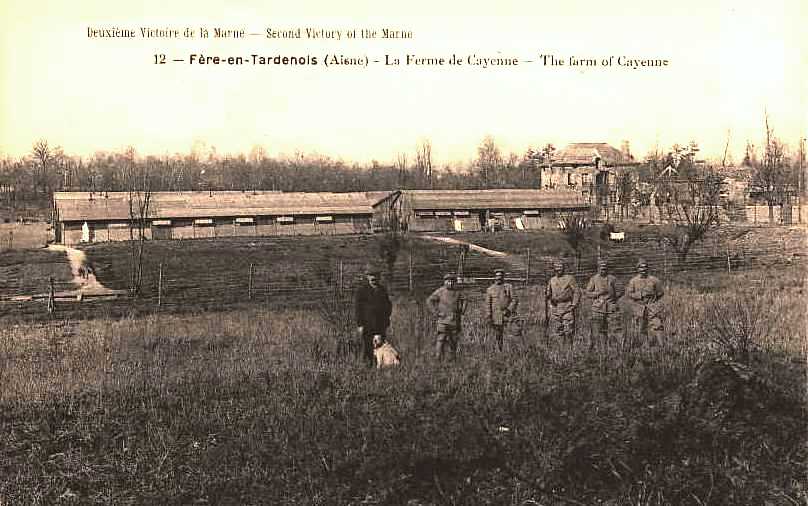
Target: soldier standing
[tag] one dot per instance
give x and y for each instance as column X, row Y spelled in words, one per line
column 562, row 297
column 645, row 293
column 606, row 316
column 447, row 304
column 500, row 305
column 372, row 309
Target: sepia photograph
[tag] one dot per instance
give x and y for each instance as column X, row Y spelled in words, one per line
column 420, row 254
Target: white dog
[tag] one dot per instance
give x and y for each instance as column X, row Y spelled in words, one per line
column 386, row 355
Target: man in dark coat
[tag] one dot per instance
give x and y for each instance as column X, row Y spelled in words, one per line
column 372, row 309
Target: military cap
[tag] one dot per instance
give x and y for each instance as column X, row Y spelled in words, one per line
column 642, row 263
column 372, row 269
column 498, row 272
column 603, row 263
column 558, row 263
column 448, row 275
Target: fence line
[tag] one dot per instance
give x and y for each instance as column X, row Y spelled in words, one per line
column 315, row 283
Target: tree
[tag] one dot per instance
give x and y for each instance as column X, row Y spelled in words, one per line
column 625, row 191
column 137, row 180
column 574, row 226
column 423, row 161
column 692, row 210
column 770, row 175
column 45, row 157
column 489, row 161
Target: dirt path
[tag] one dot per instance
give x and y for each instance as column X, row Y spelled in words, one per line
column 78, row 261
column 514, row 261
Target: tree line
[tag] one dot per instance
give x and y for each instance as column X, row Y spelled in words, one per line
column 772, row 171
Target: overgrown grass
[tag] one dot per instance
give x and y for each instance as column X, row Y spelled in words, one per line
column 255, row 407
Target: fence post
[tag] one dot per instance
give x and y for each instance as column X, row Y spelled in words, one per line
column 340, row 275
column 527, row 269
column 250, row 283
column 160, row 285
column 409, row 279
column 729, row 263
column 10, row 239
column 51, row 296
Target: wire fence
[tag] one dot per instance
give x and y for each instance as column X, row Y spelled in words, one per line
column 175, row 285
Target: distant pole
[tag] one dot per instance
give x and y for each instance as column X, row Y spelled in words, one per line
column 729, row 262
column 340, row 275
column 10, row 239
column 409, row 279
column 160, row 284
column 250, row 283
column 527, row 270
column 51, row 296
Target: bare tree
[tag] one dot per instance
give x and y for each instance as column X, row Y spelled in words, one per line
column 423, row 160
column 574, row 226
column 770, row 175
column 137, row 179
column 45, row 158
column 401, row 168
column 692, row 210
column 489, row 161
column 625, row 191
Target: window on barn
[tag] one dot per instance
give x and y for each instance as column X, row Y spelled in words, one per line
column 161, row 223
column 324, row 219
column 246, row 220
column 285, row 220
column 203, row 221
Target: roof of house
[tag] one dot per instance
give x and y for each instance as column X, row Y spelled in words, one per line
column 585, row 153
column 490, row 199
column 81, row 206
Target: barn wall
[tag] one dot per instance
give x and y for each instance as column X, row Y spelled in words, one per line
column 182, row 229
column 71, row 234
column 304, row 225
column 246, row 229
column 265, row 226
column 362, row 224
column 224, row 227
column 101, row 232
column 204, row 231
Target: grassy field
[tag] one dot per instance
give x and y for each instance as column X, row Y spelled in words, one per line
column 255, row 407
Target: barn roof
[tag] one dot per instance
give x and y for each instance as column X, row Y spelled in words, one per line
column 490, row 199
column 585, row 153
column 79, row 206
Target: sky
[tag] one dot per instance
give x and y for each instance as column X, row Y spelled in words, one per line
column 729, row 64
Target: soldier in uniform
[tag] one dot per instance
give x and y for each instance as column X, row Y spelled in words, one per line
column 447, row 304
column 372, row 309
column 562, row 296
column 607, row 321
column 645, row 293
column 500, row 304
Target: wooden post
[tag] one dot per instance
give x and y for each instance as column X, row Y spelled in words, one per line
column 409, row 279
column 340, row 274
column 250, row 283
column 160, row 285
column 527, row 269
column 51, row 296
column 10, row 239
column 729, row 263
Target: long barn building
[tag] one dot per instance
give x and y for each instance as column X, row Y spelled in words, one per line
column 475, row 210
column 98, row 217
